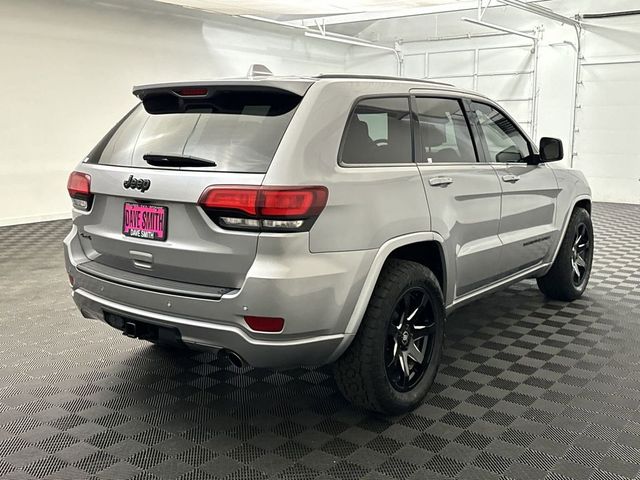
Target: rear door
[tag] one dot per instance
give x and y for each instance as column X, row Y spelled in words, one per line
column 463, row 194
column 529, row 192
column 149, row 172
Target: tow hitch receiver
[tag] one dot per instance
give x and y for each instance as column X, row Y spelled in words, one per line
column 145, row 331
column 130, row 330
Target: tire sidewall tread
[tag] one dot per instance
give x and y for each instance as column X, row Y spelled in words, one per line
column 360, row 373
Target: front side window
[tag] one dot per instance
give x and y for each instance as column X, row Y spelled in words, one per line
column 379, row 131
column 444, row 131
column 504, row 141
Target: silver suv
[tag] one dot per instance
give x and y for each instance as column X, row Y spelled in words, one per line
column 329, row 219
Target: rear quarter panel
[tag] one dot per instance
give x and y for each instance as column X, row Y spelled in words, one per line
column 367, row 205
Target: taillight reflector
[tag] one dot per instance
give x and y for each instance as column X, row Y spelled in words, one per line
column 79, row 184
column 265, row 324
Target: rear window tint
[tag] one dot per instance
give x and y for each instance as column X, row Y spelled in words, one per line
column 238, row 130
column 379, row 131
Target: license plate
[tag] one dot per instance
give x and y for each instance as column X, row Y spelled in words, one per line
column 145, row 221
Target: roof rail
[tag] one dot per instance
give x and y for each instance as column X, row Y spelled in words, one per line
column 380, row 77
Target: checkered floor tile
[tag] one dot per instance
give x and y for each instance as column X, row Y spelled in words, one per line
column 529, row 389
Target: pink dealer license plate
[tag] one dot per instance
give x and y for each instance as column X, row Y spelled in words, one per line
column 145, row 221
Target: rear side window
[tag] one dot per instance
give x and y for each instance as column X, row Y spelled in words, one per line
column 444, row 131
column 503, row 140
column 378, row 131
column 233, row 130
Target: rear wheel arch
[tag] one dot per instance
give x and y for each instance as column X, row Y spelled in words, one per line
column 394, row 358
column 406, row 247
column 427, row 253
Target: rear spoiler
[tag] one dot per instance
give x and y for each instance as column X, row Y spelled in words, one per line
column 295, row 86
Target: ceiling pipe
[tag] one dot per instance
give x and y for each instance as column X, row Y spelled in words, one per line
column 357, row 42
column 466, row 36
column 499, row 28
column 541, row 11
column 374, row 16
column 271, row 21
column 610, row 14
column 322, row 34
column 481, row 10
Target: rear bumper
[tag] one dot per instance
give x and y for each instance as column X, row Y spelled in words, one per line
column 314, row 293
column 259, row 353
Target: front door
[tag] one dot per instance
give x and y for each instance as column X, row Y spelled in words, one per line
column 529, row 192
column 463, row 194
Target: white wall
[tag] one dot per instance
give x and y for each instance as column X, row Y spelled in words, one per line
column 608, row 98
column 67, row 69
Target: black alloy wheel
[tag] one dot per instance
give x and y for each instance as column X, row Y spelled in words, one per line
column 581, row 255
column 410, row 339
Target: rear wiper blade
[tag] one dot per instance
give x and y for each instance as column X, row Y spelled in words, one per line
column 177, row 161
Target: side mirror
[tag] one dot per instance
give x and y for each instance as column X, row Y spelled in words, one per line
column 551, row 150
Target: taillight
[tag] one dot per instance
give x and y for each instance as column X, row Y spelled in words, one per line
column 280, row 209
column 192, row 92
column 79, row 188
column 292, row 203
column 238, row 198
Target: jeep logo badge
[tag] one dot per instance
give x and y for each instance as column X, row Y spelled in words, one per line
column 133, row 183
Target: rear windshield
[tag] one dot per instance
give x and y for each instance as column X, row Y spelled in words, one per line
column 232, row 130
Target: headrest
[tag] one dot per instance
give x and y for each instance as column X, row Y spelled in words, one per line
column 358, row 128
column 432, row 134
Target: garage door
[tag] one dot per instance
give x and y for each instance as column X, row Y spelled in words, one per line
column 504, row 73
column 608, row 130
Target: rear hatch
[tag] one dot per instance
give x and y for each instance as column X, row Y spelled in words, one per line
column 148, row 173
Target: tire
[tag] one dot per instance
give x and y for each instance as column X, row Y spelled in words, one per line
column 370, row 374
column 562, row 282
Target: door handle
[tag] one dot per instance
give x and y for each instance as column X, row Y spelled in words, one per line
column 510, row 178
column 440, row 181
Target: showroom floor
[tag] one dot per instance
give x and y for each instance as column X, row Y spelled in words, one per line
column 529, row 388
